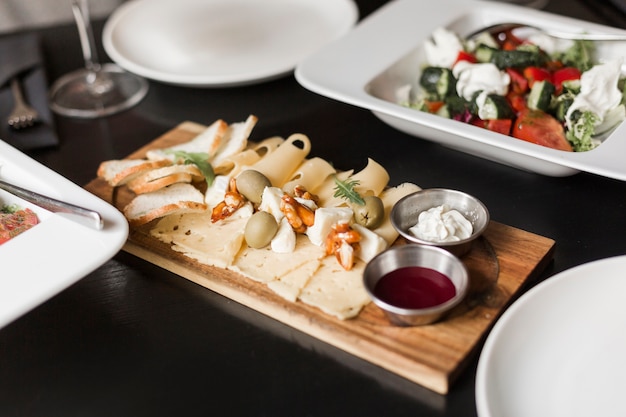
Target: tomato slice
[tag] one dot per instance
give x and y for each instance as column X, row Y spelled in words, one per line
column 500, row 125
column 495, row 125
column 540, row 128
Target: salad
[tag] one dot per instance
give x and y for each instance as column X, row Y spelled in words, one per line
column 15, row 220
column 535, row 88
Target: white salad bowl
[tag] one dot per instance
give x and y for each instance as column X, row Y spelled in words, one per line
column 384, row 53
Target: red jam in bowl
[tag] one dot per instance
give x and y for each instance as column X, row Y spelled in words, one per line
column 414, row 287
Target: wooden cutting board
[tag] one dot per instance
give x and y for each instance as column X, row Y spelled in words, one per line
column 500, row 263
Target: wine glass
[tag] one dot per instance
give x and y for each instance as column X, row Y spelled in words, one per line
column 95, row 90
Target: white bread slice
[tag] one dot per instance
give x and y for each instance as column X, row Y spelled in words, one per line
column 175, row 199
column 162, row 177
column 235, row 139
column 208, row 141
column 120, row 171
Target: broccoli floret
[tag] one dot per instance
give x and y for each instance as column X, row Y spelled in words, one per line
column 582, row 126
column 579, row 55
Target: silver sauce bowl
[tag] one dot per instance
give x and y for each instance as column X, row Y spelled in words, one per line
column 406, row 211
column 423, row 256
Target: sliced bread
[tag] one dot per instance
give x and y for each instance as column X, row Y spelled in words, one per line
column 208, row 141
column 235, row 139
column 174, row 199
column 162, row 177
column 120, row 171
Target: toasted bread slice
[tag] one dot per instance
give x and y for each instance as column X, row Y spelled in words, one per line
column 174, row 199
column 162, row 177
column 120, row 171
column 208, row 141
column 235, row 139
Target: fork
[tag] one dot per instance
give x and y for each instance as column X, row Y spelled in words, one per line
column 22, row 115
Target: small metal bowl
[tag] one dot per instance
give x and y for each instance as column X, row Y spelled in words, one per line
column 415, row 255
column 406, row 211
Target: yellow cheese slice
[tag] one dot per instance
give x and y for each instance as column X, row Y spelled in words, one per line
column 265, row 265
column 290, row 285
column 336, row 291
column 195, row 236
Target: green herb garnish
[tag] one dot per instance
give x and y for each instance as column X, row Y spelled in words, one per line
column 345, row 189
column 9, row 209
column 200, row 159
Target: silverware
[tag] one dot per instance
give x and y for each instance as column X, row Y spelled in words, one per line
column 500, row 27
column 22, row 115
column 76, row 213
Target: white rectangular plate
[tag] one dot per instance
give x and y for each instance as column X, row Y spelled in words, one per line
column 384, row 52
column 57, row 252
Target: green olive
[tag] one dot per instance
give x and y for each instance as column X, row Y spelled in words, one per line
column 251, row 183
column 260, row 229
column 370, row 214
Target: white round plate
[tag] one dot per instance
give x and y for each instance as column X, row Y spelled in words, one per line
column 560, row 350
column 206, row 43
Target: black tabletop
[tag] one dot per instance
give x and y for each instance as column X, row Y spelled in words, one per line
column 131, row 339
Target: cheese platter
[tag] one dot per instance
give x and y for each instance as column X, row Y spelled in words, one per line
column 500, row 264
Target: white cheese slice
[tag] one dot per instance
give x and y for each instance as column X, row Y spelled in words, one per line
column 270, row 202
column 285, row 239
column 371, row 243
column 325, row 218
column 215, row 193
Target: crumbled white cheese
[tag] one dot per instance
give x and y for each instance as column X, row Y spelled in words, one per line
column 325, row 218
column 284, row 241
column 443, row 49
column 215, row 193
column 485, row 77
column 270, row 202
column 370, row 245
column 598, row 90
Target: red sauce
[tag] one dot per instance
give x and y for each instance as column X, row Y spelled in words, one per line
column 15, row 221
column 414, row 287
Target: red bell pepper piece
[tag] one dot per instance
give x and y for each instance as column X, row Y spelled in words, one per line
column 564, row 74
column 517, row 101
column 500, row 125
column 433, row 106
column 465, row 56
column 519, row 84
column 533, row 74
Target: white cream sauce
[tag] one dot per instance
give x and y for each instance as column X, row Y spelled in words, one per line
column 441, row 224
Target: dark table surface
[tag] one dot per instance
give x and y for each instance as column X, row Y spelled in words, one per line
column 131, row 339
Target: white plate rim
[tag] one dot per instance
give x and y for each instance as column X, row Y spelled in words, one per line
column 585, row 274
column 345, row 11
column 343, row 70
column 56, row 253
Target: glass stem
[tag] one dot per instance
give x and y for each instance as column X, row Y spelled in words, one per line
column 85, row 33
